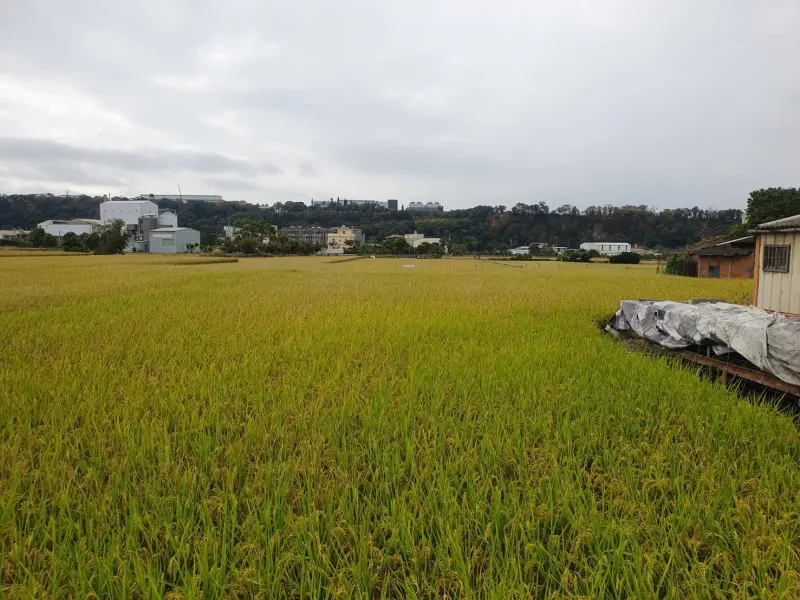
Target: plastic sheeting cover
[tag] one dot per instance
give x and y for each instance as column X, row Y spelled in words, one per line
column 768, row 340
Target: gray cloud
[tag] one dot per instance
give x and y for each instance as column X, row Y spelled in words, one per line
column 157, row 160
column 307, row 169
column 669, row 102
column 231, row 183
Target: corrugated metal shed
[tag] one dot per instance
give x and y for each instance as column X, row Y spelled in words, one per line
column 777, row 275
column 787, row 223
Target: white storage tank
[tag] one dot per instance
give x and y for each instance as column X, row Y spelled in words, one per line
column 167, row 218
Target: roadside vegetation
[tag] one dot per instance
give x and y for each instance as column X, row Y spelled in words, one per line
column 286, row 429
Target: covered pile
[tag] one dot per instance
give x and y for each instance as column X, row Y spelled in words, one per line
column 770, row 341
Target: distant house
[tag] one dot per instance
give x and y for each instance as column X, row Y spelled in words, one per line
column 520, row 250
column 731, row 259
column 343, row 237
column 12, row 234
column 776, row 284
column 607, row 248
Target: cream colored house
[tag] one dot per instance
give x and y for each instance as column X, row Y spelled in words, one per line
column 776, row 281
column 344, row 237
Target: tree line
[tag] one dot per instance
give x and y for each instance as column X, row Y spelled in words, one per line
column 479, row 229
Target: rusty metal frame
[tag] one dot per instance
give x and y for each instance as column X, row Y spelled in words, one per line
column 725, row 367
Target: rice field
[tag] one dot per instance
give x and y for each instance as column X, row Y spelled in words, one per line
column 300, row 428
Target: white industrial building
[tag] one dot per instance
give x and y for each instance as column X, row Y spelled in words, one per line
column 60, row 228
column 607, row 248
column 172, row 240
column 141, row 217
column 127, row 210
column 520, row 250
column 183, row 197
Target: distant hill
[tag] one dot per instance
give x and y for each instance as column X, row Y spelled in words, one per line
column 482, row 228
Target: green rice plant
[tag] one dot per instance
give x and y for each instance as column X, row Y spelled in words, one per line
column 275, row 428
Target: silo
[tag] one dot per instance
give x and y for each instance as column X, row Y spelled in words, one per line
column 146, row 224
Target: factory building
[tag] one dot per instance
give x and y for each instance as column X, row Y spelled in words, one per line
column 183, row 197
column 172, row 240
column 141, row 218
column 128, row 211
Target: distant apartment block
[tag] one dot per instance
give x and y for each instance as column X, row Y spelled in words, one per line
column 230, row 232
column 388, row 204
column 426, row 206
column 306, row 235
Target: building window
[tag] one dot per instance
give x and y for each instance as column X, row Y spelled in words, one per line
column 713, row 271
column 167, row 242
column 776, row 258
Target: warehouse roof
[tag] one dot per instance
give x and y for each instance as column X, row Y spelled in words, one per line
column 791, row 223
column 170, row 229
column 72, row 222
column 135, row 201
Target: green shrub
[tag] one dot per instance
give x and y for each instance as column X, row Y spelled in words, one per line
column 680, row 264
column 625, row 258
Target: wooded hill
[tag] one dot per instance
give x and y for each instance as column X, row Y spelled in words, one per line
column 482, row 228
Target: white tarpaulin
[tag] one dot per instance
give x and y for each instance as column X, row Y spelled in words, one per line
column 768, row 340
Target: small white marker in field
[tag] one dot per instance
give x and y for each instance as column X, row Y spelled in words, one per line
column 408, row 266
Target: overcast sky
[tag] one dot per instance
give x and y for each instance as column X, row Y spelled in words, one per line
column 659, row 102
